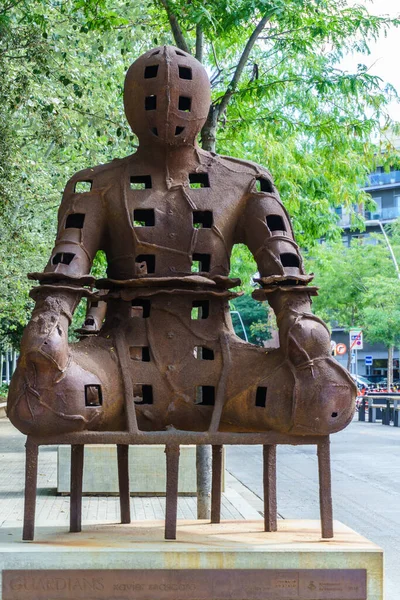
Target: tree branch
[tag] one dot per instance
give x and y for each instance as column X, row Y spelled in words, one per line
column 242, row 63
column 175, row 28
column 199, row 43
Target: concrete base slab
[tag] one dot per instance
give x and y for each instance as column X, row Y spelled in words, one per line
column 296, row 546
column 147, row 473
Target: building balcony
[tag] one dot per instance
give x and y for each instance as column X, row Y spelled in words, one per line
column 378, row 180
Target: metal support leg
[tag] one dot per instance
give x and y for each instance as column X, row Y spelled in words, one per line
column 171, row 508
column 216, row 487
column 31, row 469
column 123, row 480
column 325, row 490
column 75, row 517
column 270, row 504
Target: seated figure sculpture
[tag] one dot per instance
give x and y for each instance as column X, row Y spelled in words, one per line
column 167, row 355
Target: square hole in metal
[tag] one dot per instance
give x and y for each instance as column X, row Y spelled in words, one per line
column 201, row 263
column 185, row 103
column 289, row 259
column 275, row 223
column 82, row 187
column 264, row 185
column 140, row 308
column 205, row 395
column 146, row 263
column 202, row 218
column 179, row 53
column 154, row 131
column 261, row 397
column 185, row 72
column 143, row 394
column 150, row 103
column 198, row 180
column 203, row 353
column 89, row 321
column 93, row 395
column 140, row 353
column 200, row 310
column 94, row 304
column 178, row 130
column 151, row 71
column 143, row 217
column 64, row 258
column 75, row 221
column 140, row 182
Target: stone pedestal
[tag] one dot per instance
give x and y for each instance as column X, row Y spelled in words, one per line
column 234, row 560
column 147, row 472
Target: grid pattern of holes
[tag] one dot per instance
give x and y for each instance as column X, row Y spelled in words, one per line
column 93, row 395
column 151, row 71
column 140, row 307
column 81, row 187
column 289, row 259
column 205, row 395
column 198, row 180
column 202, row 218
column 140, row 182
column 185, row 72
column 275, row 223
column 146, row 262
column 201, row 263
column 200, row 310
column 75, row 221
column 64, row 258
column 144, row 217
column 143, row 393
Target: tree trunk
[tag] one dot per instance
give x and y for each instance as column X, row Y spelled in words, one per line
column 209, row 131
column 390, row 367
column 203, row 453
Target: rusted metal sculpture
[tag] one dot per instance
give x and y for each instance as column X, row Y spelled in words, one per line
column 166, row 364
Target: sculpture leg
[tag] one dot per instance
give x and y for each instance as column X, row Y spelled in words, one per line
column 171, row 508
column 325, row 491
column 216, row 486
column 270, row 504
column 31, row 469
column 123, row 480
column 77, row 452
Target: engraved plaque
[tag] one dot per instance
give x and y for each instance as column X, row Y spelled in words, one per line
column 186, row 584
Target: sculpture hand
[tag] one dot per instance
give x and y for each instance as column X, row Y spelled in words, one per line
column 45, row 340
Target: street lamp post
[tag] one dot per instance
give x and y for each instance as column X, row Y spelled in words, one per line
column 396, row 266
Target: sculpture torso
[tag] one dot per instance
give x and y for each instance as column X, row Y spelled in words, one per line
column 167, row 218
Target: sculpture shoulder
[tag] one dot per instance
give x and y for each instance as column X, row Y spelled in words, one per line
column 247, row 169
column 99, row 176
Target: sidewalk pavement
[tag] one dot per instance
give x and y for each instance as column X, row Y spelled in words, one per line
column 237, row 501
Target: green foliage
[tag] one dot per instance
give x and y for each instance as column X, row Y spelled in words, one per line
column 359, row 286
column 254, row 316
column 62, row 67
column 343, row 275
column 381, row 313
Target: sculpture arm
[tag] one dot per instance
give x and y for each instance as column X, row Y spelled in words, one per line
column 267, row 231
column 79, row 236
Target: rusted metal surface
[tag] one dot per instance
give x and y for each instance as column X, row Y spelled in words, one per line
column 269, row 482
column 77, row 457
column 158, row 360
column 171, row 499
column 325, row 491
column 216, row 483
column 123, row 481
column 187, row 584
column 31, row 472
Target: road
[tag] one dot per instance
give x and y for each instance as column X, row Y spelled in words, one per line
column 365, row 481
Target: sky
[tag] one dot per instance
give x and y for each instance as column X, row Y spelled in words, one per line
column 385, row 53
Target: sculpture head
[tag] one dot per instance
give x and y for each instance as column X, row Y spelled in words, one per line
column 166, row 97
